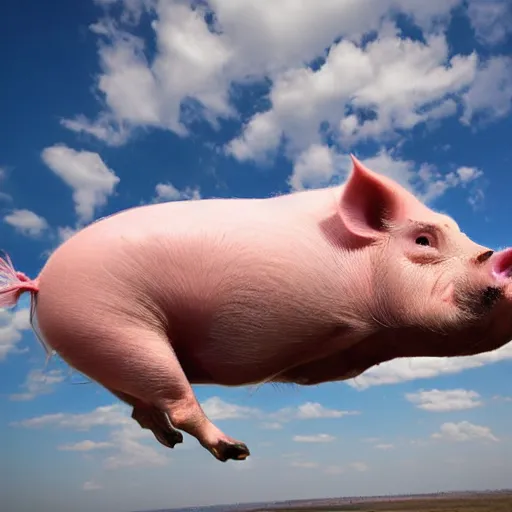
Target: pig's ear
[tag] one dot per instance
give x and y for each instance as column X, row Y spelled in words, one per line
column 369, row 203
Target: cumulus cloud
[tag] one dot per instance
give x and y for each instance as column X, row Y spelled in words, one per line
column 384, row 446
column 86, row 174
column 316, row 438
column 26, row 222
column 91, row 485
column 38, row 383
column 436, row 400
column 362, row 93
column 217, row 409
column 84, row 446
column 490, row 95
column 12, row 325
column 406, row 369
column 125, row 446
column 168, row 192
column 360, row 89
column 491, row 20
column 464, row 431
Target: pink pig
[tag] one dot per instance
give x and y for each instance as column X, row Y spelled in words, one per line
column 304, row 288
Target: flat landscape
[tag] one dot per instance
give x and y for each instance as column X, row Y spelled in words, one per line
column 450, row 502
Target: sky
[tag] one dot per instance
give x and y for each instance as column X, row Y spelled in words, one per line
column 109, row 104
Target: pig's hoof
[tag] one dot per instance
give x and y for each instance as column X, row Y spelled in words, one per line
column 169, row 438
column 235, row 451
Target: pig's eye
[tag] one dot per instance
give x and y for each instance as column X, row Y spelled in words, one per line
column 422, row 240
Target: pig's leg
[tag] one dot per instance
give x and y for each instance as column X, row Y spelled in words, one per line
column 141, row 363
column 152, row 419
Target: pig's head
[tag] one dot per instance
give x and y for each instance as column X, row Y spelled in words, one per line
column 430, row 287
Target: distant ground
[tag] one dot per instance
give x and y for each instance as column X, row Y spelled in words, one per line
column 495, row 501
column 488, row 501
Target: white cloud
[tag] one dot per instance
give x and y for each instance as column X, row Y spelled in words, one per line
column 85, row 172
column 359, row 466
column 273, row 425
column 38, row 383
column 107, row 415
column 406, row 369
column 490, row 95
column 26, row 222
column 91, row 486
column 303, row 465
column 316, row 166
column 125, row 438
column 131, row 452
column 66, row 232
column 85, row 446
column 168, row 192
column 402, row 82
column 12, row 325
column 491, row 20
column 334, row 470
column 217, row 409
column 384, row 446
column 464, row 431
column 437, row 400
column 317, row 438
column 314, row 410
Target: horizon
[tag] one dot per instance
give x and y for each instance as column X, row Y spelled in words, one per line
column 111, row 104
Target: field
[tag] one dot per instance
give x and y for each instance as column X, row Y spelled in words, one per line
column 484, row 502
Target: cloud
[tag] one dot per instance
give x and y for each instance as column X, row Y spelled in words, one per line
column 271, row 426
column 12, row 325
column 107, row 415
column 26, row 222
column 464, row 431
column 320, row 165
column 304, row 465
column 202, row 50
column 318, row 438
column 490, row 95
column 406, row 369
column 316, row 166
column 314, row 410
column 125, row 444
column 359, row 466
column 392, row 84
column 491, row 20
column 38, row 383
column 131, row 452
column 84, row 446
column 168, row 192
column 217, row 409
column 384, row 446
column 91, row 486
column 437, row 400
column 86, row 174
column 66, row 232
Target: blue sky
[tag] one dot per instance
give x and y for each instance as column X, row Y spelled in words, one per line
column 107, row 104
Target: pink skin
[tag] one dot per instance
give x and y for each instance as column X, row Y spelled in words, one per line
column 304, row 288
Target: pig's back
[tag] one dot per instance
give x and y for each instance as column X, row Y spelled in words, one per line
column 221, row 276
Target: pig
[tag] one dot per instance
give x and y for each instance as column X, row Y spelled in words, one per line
column 303, row 288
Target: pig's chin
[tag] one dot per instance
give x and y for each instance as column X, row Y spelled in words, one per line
column 477, row 302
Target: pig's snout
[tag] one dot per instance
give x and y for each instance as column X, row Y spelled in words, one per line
column 501, row 264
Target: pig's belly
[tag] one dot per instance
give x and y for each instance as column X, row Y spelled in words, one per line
column 237, row 307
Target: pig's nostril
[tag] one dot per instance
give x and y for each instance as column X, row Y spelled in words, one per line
column 484, row 256
column 502, row 265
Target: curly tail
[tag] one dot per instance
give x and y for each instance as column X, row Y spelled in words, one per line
column 13, row 283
